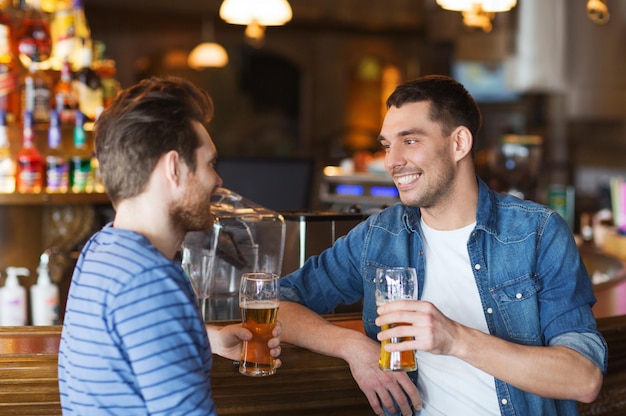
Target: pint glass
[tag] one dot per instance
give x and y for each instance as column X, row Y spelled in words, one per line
column 397, row 283
column 258, row 301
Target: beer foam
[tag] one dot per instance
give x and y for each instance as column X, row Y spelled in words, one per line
column 259, row 304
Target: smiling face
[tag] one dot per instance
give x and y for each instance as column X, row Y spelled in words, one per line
column 419, row 158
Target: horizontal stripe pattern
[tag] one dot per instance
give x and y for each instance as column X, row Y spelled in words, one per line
column 133, row 341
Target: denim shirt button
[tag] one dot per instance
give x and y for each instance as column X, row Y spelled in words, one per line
column 518, row 296
column 477, row 266
column 489, row 311
column 504, row 402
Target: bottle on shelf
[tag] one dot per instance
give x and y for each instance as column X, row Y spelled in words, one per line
column 33, row 35
column 63, row 99
column 13, row 298
column 36, row 92
column 87, row 86
column 44, row 296
column 57, row 165
column 30, row 164
column 9, row 68
column 69, row 29
column 81, row 173
column 107, row 71
column 7, row 163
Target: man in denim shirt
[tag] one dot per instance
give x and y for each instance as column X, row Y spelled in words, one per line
column 504, row 322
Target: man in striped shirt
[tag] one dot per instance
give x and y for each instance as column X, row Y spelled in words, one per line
column 133, row 341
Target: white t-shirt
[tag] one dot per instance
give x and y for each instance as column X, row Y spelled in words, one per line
column 450, row 386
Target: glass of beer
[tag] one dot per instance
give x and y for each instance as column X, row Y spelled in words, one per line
column 258, row 301
column 396, row 283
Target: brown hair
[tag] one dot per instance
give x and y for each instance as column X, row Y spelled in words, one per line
column 450, row 103
column 144, row 122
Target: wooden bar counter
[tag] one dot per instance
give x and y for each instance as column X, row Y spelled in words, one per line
column 306, row 384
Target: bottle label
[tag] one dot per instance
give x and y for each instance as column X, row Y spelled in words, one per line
column 90, row 101
column 7, row 175
column 57, row 177
column 41, row 112
column 7, row 184
column 29, row 177
column 82, row 178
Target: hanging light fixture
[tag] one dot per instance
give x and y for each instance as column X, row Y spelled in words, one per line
column 207, row 54
column 256, row 15
column 598, row 11
column 478, row 13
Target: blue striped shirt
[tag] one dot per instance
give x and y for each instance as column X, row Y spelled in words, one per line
column 133, row 342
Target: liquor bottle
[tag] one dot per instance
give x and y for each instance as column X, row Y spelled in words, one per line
column 64, row 100
column 81, row 174
column 9, row 67
column 69, row 30
column 33, row 36
column 62, row 31
column 7, row 164
column 106, row 70
column 87, row 87
column 57, row 165
column 30, row 165
column 36, row 92
column 81, row 27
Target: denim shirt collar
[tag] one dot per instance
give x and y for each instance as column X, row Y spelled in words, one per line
column 486, row 215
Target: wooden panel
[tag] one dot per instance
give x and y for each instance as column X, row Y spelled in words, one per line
column 306, row 384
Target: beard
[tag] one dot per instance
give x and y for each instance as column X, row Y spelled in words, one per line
column 193, row 211
column 434, row 192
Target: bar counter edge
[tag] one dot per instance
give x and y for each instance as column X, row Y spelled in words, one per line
column 306, row 384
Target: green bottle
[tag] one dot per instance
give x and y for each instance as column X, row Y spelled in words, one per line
column 81, row 172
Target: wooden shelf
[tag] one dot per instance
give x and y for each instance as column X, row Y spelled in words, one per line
column 54, row 199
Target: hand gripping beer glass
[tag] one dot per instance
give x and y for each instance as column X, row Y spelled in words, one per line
column 396, row 283
column 258, row 301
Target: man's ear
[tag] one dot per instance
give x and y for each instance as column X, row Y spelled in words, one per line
column 171, row 165
column 462, row 142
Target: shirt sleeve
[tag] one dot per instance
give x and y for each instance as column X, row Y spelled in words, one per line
column 567, row 295
column 330, row 279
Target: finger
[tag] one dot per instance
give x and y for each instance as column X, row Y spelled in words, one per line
column 374, row 402
column 277, row 330
column 243, row 334
column 388, row 402
column 275, row 352
column 277, row 363
column 412, row 393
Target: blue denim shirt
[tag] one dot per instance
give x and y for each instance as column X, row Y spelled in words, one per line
column 532, row 283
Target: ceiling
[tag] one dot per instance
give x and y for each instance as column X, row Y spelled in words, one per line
column 368, row 15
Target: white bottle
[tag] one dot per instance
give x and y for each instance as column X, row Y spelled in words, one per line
column 13, row 298
column 44, row 296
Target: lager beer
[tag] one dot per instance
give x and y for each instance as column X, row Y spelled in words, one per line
column 258, row 317
column 397, row 360
column 394, row 284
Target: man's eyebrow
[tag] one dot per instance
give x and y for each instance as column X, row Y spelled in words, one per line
column 404, row 133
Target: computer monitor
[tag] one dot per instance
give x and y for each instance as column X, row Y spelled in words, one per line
column 280, row 184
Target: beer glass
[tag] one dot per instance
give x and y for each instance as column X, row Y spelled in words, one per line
column 258, row 301
column 396, row 283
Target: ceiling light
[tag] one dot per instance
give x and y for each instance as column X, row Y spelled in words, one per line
column 478, row 13
column 489, row 6
column 598, row 12
column 256, row 15
column 207, row 54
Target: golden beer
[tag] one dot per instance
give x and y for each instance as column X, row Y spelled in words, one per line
column 259, row 317
column 397, row 360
